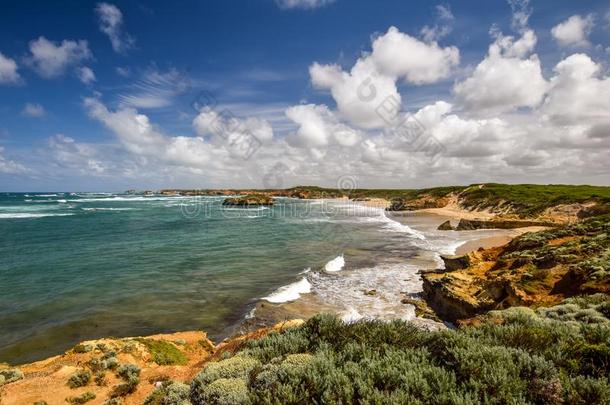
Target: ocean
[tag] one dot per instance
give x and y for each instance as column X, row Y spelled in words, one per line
column 77, row 266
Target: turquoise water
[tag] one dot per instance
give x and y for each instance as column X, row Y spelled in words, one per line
column 81, row 266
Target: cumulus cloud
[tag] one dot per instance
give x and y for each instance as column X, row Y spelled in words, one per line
column 579, row 94
column 303, row 4
column 8, row 166
column 372, row 80
column 574, row 31
column 33, row 110
column 8, row 70
column 81, row 156
column 504, row 122
column 317, row 126
column 506, row 79
column 111, row 23
column 50, row 59
column 85, row 75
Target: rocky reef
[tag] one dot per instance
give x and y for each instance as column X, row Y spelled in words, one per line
column 251, row 200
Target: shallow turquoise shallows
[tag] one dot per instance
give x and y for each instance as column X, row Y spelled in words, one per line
column 76, row 266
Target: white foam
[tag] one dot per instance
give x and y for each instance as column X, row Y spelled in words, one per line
column 62, row 201
column 396, row 226
column 351, row 316
column 370, row 292
column 128, row 199
column 290, row 292
column 46, row 195
column 335, row 264
column 23, row 215
column 108, row 209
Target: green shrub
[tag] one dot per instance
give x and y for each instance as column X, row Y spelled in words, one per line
column 164, row 353
column 100, row 378
column 224, row 391
column 130, row 374
column 79, row 379
column 10, row 375
column 82, row 348
column 235, row 367
column 81, row 399
column 555, row 355
column 170, row 393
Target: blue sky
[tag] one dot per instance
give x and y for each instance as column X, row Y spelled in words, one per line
column 66, row 112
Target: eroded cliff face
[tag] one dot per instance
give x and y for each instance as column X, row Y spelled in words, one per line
column 535, row 269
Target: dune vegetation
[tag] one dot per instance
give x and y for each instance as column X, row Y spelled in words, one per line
column 520, row 355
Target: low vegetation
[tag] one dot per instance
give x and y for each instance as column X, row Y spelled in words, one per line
column 520, row 355
column 81, row 399
column 164, row 353
column 532, row 199
column 10, row 375
column 579, row 253
column 79, row 379
column 130, row 374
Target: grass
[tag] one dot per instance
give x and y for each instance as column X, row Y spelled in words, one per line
column 532, row 199
column 164, row 353
column 525, row 199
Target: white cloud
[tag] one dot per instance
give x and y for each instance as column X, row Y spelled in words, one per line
column 578, row 94
column 111, row 24
column 506, row 79
column 506, row 123
column 317, row 126
column 123, row 71
column 69, row 153
column 8, row 70
column 156, row 89
column 402, row 56
column 85, row 75
column 9, row 166
column 33, row 110
column 521, row 12
column 372, row 80
column 303, row 4
column 51, row 60
column 574, row 31
column 225, row 125
column 442, row 27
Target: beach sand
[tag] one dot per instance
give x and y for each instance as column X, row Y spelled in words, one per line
column 495, row 241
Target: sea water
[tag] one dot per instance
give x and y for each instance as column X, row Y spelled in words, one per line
column 76, row 266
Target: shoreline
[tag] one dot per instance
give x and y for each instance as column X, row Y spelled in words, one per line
column 308, row 305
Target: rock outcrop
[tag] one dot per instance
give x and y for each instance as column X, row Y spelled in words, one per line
column 252, row 200
column 473, row 224
column 445, row 226
column 537, row 268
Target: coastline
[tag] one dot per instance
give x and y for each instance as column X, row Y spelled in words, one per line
column 44, row 373
column 306, row 303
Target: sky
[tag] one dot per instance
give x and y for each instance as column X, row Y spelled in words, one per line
column 109, row 96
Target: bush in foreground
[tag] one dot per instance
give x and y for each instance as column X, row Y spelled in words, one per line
column 551, row 356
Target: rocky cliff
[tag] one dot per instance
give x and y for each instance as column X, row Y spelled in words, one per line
column 535, row 269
